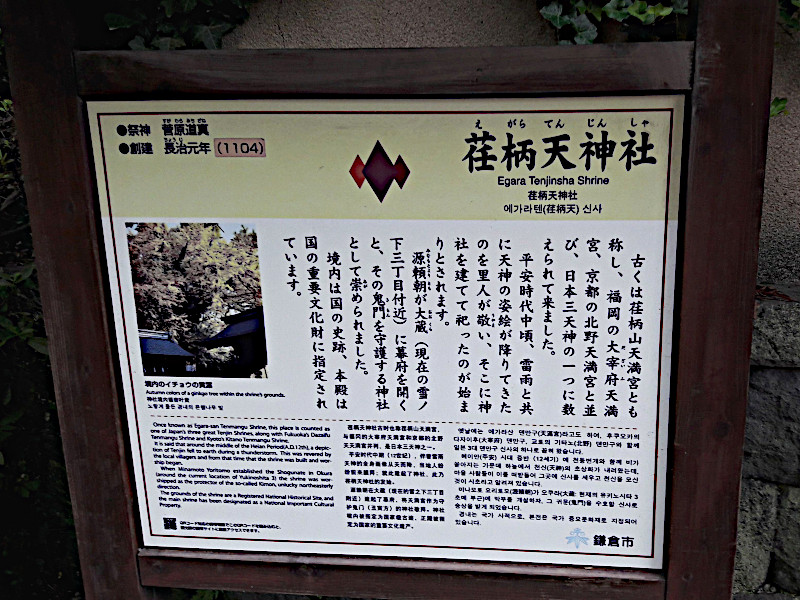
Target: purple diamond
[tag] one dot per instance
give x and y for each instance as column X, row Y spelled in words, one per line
column 379, row 171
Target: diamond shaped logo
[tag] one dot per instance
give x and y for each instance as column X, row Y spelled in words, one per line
column 379, row 171
column 357, row 171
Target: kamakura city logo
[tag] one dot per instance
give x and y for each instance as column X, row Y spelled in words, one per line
column 379, row 171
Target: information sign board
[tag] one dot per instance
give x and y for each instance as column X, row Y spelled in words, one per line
column 212, row 215
column 399, row 328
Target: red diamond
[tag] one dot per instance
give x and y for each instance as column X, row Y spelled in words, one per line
column 357, row 171
column 401, row 171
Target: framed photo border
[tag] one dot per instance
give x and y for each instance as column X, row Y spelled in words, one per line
column 725, row 74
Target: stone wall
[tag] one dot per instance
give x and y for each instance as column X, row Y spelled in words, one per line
column 768, row 549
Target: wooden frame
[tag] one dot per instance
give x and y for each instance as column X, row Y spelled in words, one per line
column 726, row 72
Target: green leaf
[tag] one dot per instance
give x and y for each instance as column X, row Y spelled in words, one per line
column 203, row 34
column 172, row 7
column 118, row 21
column 26, row 272
column 7, row 423
column 39, row 344
column 617, row 9
column 211, row 36
column 639, row 10
column 586, row 31
column 8, row 200
column 778, row 107
column 660, row 11
column 7, row 324
column 648, row 14
column 168, row 43
column 552, row 12
column 681, row 7
column 582, row 8
column 595, row 10
column 789, row 15
column 137, row 43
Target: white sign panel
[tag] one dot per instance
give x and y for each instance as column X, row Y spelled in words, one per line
column 436, row 329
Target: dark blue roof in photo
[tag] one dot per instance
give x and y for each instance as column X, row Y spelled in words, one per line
column 162, row 347
column 239, row 325
column 236, row 329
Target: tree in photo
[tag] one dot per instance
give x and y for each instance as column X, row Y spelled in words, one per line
column 188, row 278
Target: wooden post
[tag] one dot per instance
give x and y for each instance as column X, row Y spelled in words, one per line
column 725, row 179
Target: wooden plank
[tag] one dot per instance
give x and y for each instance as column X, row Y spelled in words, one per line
column 435, row 71
column 59, row 189
column 392, row 578
column 726, row 158
column 505, row 568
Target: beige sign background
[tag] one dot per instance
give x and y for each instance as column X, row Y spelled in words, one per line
column 157, row 162
column 311, row 145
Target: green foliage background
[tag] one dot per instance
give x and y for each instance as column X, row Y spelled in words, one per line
column 589, row 21
column 174, row 24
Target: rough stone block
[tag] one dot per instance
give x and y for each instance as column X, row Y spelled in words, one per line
column 776, row 327
column 772, row 432
column 786, row 566
column 764, row 596
column 758, row 508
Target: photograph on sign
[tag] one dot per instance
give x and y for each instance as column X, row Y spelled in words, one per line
column 196, row 285
column 396, row 328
